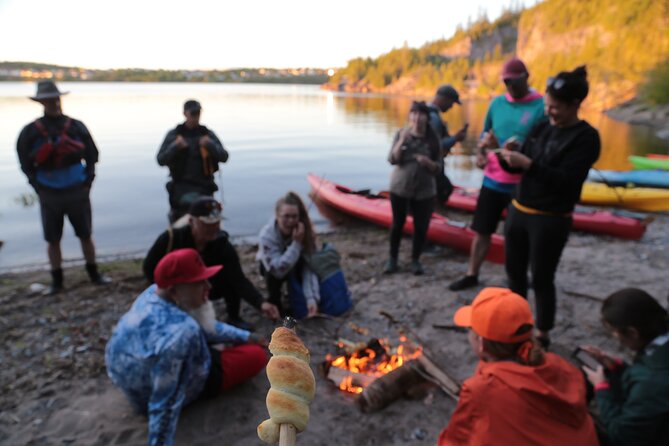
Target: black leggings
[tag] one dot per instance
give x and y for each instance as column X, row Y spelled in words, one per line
column 537, row 240
column 421, row 210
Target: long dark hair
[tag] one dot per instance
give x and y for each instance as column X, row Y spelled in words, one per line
column 634, row 308
column 293, row 199
column 430, row 135
column 525, row 352
column 569, row 86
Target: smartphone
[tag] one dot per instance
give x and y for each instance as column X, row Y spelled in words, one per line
column 582, row 357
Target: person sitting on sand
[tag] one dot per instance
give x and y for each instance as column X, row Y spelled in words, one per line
column 633, row 399
column 284, row 244
column 519, row 395
column 192, row 153
column 416, row 155
column 203, row 233
column 163, row 352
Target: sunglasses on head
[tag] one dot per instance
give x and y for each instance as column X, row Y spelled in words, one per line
column 555, row 83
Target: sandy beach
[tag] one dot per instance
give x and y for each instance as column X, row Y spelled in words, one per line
column 55, row 390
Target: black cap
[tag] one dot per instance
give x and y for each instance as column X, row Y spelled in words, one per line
column 207, row 210
column 449, row 92
column 192, row 105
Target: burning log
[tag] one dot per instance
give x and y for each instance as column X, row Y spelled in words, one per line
column 349, row 381
column 390, row 387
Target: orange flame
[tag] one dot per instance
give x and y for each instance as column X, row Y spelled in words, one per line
column 372, row 363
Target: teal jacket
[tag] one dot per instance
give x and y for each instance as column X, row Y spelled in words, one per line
column 635, row 408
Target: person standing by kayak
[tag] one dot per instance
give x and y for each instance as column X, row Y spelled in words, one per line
column 554, row 161
column 192, row 153
column 416, row 154
column 510, row 115
column 442, row 102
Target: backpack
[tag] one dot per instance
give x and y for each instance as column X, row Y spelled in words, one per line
column 335, row 295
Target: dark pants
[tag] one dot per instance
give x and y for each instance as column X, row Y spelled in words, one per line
column 444, row 188
column 274, row 286
column 219, row 289
column 182, row 194
column 421, row 210
column 537, row 241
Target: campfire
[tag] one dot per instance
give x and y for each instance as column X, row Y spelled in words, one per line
column 354, row 371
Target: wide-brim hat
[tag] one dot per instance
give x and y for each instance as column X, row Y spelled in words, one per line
column 47, row 90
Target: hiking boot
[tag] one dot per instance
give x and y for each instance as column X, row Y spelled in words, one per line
column 95, row 276
column 56, row 283
column 390, row 267
column 464, row 283
column 239, row 323
column 417, row 268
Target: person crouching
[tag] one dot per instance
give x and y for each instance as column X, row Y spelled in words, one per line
column 164, row 352
column 518, row 395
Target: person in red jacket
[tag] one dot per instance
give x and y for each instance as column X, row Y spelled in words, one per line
column 518, row 395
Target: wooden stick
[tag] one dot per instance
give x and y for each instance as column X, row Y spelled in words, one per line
column 287, row 432
column 287, row 435
column 447, row 384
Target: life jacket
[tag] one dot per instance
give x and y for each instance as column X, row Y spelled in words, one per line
column 178, row 165
column 55, row 153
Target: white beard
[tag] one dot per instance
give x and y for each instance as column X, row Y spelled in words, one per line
column 205, row 315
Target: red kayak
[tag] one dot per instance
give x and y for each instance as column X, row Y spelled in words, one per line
column 599, row 222
column 376, row 209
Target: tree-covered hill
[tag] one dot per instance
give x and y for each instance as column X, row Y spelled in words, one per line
column 620, row 41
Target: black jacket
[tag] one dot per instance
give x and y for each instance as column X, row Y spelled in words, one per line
column 228, row 282
column 561, row 160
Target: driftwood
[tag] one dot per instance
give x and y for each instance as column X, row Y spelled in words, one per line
column 583, row 295
column 337, row 376
column 390, row 387
column 447, row 383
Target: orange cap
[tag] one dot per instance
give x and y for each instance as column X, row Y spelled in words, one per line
column 496, row 314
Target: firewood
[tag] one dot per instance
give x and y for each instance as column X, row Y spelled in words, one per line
column 388, row 388
column 448, row 384
column 337, row 375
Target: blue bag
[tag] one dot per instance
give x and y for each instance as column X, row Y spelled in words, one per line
column 335, row 295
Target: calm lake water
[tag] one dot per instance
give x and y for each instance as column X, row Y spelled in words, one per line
column 275, row 134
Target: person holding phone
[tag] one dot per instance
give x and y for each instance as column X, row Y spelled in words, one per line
column 510, row 118
column 283, row 247
column 554, row 160
column 633, row 399
column 415, row 155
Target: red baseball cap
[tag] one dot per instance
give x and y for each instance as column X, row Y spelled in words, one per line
column 182, row 266
column 497, row 314
column 514, row 68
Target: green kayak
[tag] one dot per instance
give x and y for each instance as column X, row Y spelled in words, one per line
column 643, row 163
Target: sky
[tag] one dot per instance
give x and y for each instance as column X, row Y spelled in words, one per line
column 210, row 34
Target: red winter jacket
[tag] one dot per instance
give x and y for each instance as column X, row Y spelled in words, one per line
column 506, row 403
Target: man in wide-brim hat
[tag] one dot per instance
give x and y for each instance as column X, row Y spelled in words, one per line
column 58, row 155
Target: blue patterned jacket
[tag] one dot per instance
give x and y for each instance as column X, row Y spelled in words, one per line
column 158, row 356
